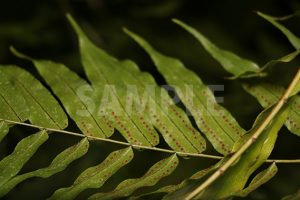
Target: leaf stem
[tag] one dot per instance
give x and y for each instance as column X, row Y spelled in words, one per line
column 134, row 145
column 247, row 144
column 113, row 141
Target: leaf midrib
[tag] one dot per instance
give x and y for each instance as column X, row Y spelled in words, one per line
column 10, row 107
column 159, row 105
column 210, row 114
column 90, row 59
column 72, row 90
column 36, row 101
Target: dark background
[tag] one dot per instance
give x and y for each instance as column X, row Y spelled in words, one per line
column 39, row 28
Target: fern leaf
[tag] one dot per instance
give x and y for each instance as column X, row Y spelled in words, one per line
column 95, row 177
column 285, row 59
column 267, row 95
column 66, row 85
column 176, row 130
column 258, row 180
column 235, row 178
column 180, row 134
column 239, row 67
column 12, row 103
column 226, row 58
column 215, row 121
column 60, row 162
column 170, row 189
column 71, row 89
column 12, row 164
column 38, row 99
column 159, row 170
column 97, row 66
column 294, row 40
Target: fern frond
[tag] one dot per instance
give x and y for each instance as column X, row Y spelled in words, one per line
column 12, row 164
column 169, row 191
column 259, row 180
column 12, row 103
column 38, row 99
column 226, row 58
column 59, row 163
column 95, row 177
column 266, row 96
column 234, row 64
column 216, row 122
column 100, row 108
column 103, row 69
column 159, row 170
column 266, row 125
column 294, row 40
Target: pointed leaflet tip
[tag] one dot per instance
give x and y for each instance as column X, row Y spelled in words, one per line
column 131, row 34
column 294, row 40
column 147, row 47
column 177, row 21
column 231, row 62
column 180, row 23
column 19, row 54
column 75, row 26
column 125, row 30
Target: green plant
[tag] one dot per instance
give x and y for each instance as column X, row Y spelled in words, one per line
column 123, row 98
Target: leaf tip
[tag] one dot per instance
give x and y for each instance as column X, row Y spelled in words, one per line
column 130, row 33
column 19, row 54
column 175, row 20
column 75, row 25
column 178, row 22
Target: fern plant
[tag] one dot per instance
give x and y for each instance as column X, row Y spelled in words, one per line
column 119, row 97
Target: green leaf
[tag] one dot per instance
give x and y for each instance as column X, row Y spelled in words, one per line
column 294, row 40
column 159, row 170
column 38, row 99
column 268, row 94
column 238, row 66
column 159, row 110
column 3, row 130
column 12, row 164
column 296, row 89
column 95, row 177
column 170, row 120
column 265, row 96
column 285, row 59
column 60, row 162
column 67, row 86
column 231, row 62
column 259, row 180
column 12, row 103
column 171, row 190
column 99, row 68
column 71, row 90
column 235, row 178
column 215, row 121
